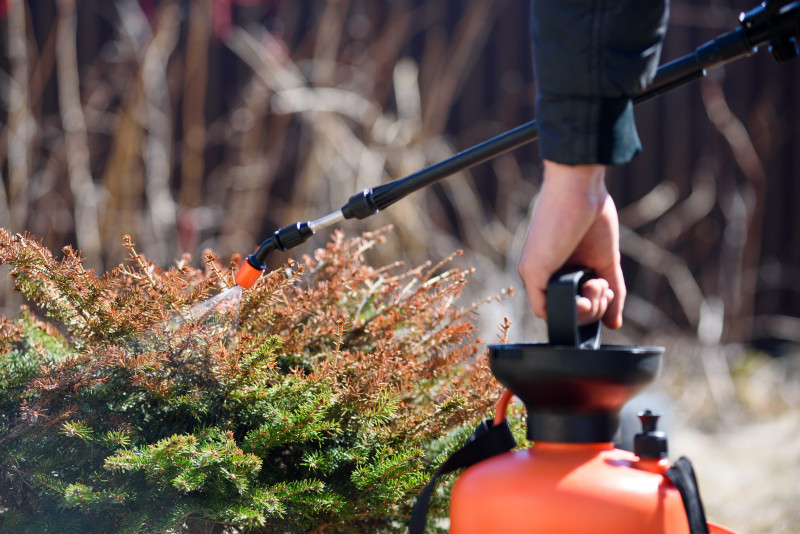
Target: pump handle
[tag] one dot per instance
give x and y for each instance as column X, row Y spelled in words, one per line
column 562, row 316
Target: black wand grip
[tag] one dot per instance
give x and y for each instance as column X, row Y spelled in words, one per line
column 360, row 206
column 283, row 239
column 291, row 236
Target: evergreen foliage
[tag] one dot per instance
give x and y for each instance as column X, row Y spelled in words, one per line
column 322, row 403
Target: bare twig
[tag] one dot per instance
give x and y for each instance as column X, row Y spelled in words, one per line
column 194, row 96
column 671, row 267
column 158, row 143
column 20, row 123
column 650, row 207
column 74, row 123
column 470, row 35
column 750, row 164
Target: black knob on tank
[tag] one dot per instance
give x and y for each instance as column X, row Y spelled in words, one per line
column 650, row 443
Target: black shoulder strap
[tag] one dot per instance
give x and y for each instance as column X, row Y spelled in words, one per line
column 487, row 441
column 682, row 476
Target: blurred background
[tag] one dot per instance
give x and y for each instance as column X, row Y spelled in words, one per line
column 195, row 124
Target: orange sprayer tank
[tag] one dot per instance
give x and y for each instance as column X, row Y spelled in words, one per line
column 566, row 488
column 573, row 480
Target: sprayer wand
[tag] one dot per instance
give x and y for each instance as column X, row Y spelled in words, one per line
column 773, row 22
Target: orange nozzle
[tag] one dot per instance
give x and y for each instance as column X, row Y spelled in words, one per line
column 247, row 275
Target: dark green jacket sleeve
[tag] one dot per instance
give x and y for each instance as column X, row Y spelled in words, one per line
column 590, row 58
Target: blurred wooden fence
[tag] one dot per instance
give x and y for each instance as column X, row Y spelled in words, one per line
column 165, row 132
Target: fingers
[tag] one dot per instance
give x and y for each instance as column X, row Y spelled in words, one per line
column 597, row 301
column 537, row 299
column 612, row 317
column 594, row 301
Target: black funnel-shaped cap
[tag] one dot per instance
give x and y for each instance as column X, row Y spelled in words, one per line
column 573, row 392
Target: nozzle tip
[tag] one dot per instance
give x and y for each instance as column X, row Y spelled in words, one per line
column 247, row 275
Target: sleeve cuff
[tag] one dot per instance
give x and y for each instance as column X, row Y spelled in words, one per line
column 576, row 130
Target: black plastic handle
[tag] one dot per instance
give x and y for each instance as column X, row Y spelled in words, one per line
column 562, row 316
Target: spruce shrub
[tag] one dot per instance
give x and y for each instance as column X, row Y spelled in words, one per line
column 320, row 403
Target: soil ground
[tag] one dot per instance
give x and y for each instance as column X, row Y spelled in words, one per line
column 736, row 416
column 749, row 475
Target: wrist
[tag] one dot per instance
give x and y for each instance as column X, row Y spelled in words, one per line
column 580, row 186
column 587, row 179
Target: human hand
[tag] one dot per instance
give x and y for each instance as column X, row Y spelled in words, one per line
column 575, row 223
